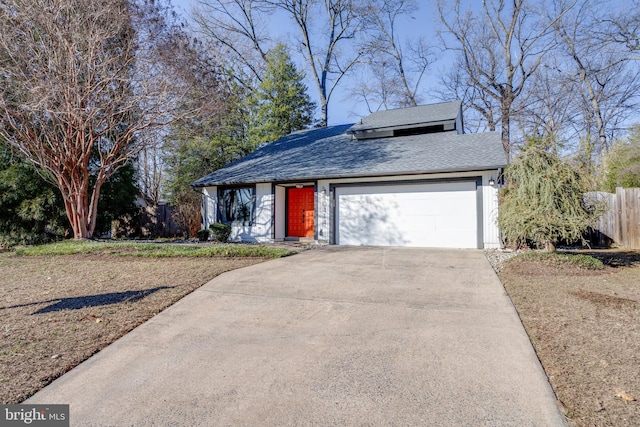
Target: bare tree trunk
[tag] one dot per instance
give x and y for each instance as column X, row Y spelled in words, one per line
column 593, row 48
column 93, row 207
column 324, row 113
column 591, row 94
column 505, row 130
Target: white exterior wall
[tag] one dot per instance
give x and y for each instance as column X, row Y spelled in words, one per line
column 209, row 206
column 490, row 210
column 261, row 228
column 323, row 212
column 280, row 213
column 270, row 209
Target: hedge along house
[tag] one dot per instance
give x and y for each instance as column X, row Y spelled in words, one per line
column 404, row 177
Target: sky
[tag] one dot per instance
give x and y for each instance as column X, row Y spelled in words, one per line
column 346, row 108
column 343, row 107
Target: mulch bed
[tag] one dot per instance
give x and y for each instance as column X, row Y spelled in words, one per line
column 57, row 311
column 585, row 327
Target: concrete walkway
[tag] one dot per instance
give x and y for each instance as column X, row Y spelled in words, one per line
column 333, row 336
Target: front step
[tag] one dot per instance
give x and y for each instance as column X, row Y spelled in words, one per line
column 300, row 239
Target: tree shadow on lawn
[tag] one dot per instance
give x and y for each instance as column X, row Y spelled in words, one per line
column 617, row 258
column 77, row 303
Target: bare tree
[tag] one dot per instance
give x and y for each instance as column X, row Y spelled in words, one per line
column 500, row 49
column 326, row 32
column 238, row 27
column 609, row 85
column 623, row 29
column 482, row 110
column 79, row 81
column 549, row 111
column 324, row 42
column 397, row 67
column 150, row 167
column 376, row 89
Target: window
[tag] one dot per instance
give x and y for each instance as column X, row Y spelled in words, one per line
column 236, row 205
column 418, row 130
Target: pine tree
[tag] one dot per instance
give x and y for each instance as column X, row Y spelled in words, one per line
column 281, row 103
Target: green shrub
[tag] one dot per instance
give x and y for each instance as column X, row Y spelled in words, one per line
column 221, row 231
column 203, row 235
column 583, row 261
column 622, row 164
column 543, row 200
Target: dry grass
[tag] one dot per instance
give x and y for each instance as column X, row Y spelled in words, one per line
column 585, row 327
column 56, row 311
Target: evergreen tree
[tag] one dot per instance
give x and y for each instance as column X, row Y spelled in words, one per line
column 543, row 201
column 281, row 104
column 203, row 143
column 240, row 122
column 622, row 164
column 33, row 209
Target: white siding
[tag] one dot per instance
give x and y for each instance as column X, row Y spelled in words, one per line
column 280, row 212
column 323, row 212
column 262, row 225
column 490, row 210
column 270, row 209
column 209, row 206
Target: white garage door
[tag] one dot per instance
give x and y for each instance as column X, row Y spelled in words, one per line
column 439, row 215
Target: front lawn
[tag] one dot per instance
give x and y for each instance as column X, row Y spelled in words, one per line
column 61, row 303
column 582, row 314
column 153, row 249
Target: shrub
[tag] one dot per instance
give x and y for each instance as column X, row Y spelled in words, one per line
column 583, row 261
column 203, row 235
column 543, row 200
column 221, row 231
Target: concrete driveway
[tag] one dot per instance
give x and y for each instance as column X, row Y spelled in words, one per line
column 332, row 336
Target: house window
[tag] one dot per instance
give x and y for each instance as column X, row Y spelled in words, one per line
column 236, row 205
column 418, row 130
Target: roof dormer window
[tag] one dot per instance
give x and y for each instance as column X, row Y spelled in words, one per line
column 424, row 119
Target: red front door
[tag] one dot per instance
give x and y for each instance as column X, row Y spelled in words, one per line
column 300, row 212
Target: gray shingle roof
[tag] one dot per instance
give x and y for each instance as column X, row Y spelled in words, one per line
column 331, row 153
column 409, row 116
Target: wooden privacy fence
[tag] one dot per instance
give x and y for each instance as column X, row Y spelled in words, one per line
column 620, row 224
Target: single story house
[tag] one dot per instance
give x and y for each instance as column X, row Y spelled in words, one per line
column 403, row 177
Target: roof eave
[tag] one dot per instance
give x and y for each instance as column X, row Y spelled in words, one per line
column 347, row 176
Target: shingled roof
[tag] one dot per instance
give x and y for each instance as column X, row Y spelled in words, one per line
column 402, row 117
column 330, row 153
